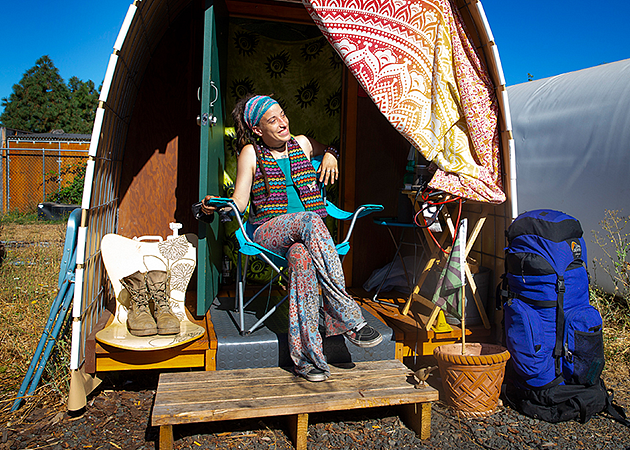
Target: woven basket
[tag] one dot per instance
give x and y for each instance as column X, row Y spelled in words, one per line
column 472, row 382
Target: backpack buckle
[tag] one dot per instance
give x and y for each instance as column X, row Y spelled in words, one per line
column 567, row 354
column 560, row 285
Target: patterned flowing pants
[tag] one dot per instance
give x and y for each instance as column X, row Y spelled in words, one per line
column 313, row 261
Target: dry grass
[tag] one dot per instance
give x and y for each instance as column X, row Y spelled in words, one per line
column 614, row 241
column 616, row 319
column 28, row 285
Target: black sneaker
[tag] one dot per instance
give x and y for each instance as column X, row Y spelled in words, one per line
column 316, row 374
column 364, row 336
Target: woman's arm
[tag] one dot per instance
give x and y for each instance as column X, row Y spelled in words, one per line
column 244, row 179
column 328, row 171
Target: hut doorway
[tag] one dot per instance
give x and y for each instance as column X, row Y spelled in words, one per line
column 291, row 62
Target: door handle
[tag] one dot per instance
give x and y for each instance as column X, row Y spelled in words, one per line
column 209, row 119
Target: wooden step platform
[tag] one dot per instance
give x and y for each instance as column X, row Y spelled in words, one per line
column 193, row 397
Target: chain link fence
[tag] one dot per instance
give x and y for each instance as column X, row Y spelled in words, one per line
column 30, row 176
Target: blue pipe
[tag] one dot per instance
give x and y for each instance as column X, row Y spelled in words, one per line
column 43, row 340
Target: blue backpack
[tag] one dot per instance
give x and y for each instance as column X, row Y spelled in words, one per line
column 552, row 332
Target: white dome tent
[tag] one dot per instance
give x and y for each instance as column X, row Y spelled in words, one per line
column 573, row 137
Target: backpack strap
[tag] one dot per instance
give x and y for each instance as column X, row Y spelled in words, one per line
column 557, row 351
column 539, row 303
column 614, row 411
column 502, row 293
column 580, row 402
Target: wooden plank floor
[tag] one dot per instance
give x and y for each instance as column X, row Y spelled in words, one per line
column 246, row 393
column 196, row 397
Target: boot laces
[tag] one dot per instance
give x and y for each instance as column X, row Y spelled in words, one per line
column 139, row 296
column 159, row 294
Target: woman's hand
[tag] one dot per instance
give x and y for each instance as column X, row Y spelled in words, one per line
column 328, row 170
column 206, row 208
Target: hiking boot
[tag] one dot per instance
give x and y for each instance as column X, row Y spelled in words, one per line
column 364, row 336
column 316, row 374
column 167, row 321
column 140, row 322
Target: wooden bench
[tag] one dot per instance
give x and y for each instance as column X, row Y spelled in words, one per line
column 193, row 397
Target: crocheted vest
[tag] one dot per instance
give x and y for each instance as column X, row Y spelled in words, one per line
column 304, row 177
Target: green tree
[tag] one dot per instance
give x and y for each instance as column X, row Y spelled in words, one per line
column 83, row 102
column 42, row 102
column 71, row 193
column 38, row 101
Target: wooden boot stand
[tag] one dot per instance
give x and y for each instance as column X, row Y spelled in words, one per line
column 437, row 258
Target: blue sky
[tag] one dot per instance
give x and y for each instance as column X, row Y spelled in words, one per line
column 544, row 38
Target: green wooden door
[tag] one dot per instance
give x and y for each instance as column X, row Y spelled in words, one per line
column 210, row 165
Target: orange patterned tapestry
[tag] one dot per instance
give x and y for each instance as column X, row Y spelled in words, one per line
column 420, row 68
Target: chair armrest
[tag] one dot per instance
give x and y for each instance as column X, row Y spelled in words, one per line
column 221, row 202
column 361, row 211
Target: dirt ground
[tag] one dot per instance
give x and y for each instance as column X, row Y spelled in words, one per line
column 118, row 416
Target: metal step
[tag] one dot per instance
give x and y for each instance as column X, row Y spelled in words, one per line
column 268, row 345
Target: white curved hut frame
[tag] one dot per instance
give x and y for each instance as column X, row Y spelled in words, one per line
column 145, row 25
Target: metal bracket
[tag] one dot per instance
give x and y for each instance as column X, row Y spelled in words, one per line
column 208, row 119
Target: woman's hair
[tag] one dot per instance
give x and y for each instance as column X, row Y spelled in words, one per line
column 244, row 136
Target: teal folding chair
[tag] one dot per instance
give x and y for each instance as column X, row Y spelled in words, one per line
column 247, row 247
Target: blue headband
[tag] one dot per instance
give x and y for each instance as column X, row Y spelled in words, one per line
column 255, row 108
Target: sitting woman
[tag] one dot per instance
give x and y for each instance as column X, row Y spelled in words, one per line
column 287, row 208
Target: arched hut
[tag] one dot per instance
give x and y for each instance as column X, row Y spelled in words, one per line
column 159, row 144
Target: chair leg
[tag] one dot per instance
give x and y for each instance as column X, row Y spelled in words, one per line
column 389, row 269
column 238, row 281
column 268, row 285
column 417, row 240
column 240, row 304
column 266, row 316
column 240, row 275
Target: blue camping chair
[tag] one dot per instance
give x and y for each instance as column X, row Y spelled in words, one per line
column 247, row 247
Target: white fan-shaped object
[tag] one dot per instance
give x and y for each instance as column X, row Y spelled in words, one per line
column 122, row 257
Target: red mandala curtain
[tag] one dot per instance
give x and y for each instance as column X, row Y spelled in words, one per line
column 420, row 68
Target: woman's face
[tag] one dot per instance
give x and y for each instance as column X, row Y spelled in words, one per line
column 274, row 125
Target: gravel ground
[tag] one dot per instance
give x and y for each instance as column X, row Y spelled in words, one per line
column 118, row 417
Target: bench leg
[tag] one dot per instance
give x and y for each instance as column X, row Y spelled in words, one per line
column 298, row 427
column 417, row 416
column 166, row 437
